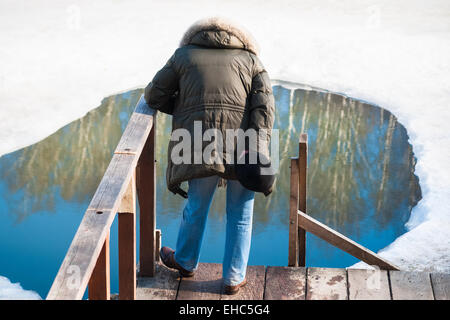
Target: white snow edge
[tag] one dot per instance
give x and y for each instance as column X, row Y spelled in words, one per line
column 14, row 291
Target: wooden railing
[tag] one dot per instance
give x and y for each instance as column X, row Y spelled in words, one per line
column 300, row 222
column 131, row 172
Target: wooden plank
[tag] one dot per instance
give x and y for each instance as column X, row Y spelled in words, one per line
column 91, row 234
column 114, row 183
column 441, row 285
column 302, row 195
column 137, row 130
column 293, row 217
column 118, row 174
column 301, row 247
column 77, row 267
column 254, row 289
column 406, row 285
column 326, row 284
column 147, row 206
column 99, row 283
column 365, row 284
column 127, row 256
column 206, row 284
column 285, row 283
column 163, row 286
column 128, row 203
column 157, row 245
column 127, row 244
column 342, row 242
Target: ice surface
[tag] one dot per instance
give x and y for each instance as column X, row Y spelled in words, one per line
column 58, row 59
column 13, row 291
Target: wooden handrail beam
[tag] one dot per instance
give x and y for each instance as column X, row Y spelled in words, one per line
column 342, row 242
column 84, row 251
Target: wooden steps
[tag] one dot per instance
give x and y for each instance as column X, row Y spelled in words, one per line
column 296, row 283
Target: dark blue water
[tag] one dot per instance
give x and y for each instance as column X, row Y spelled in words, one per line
column 361, row 182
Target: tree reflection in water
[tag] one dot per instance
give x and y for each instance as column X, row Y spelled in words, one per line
column 361, row 166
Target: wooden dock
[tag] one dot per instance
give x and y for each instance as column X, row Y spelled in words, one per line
column 296, row 283
column 131, row 178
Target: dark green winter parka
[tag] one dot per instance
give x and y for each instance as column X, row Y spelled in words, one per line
column 214, row 79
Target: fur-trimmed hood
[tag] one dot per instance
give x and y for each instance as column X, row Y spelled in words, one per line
column 238, row 35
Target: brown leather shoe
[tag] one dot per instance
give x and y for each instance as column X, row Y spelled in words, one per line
column 234, row 289
column 168, row 258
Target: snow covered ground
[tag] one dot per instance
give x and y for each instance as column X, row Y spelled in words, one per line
column 10, row 291
column 58, row 59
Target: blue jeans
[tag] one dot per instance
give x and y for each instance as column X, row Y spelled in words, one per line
column 238, row 230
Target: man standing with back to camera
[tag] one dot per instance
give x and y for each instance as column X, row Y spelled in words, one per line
column 215, row 78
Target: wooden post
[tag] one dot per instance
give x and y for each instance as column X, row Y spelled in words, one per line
column 147, row 205
column 302, row 181
column 127, row 243
column 99, row 283
column 293, row 217
column 158, row 244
